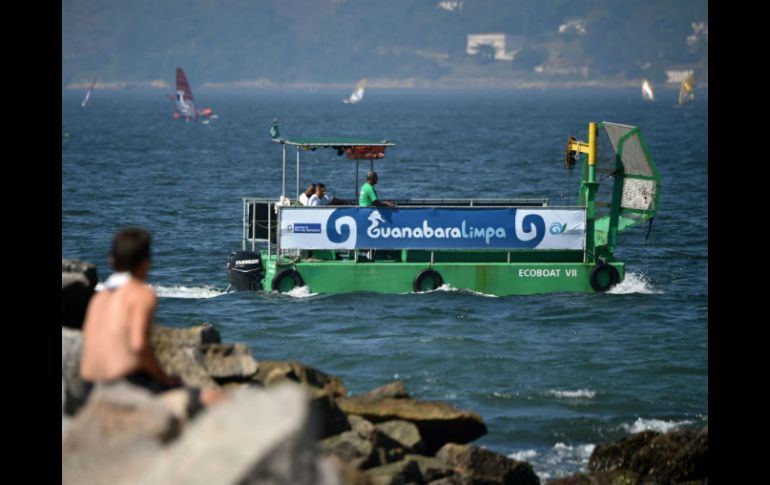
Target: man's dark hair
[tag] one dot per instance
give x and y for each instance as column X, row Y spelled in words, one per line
column 130, row 247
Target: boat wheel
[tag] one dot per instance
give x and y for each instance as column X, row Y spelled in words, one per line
column 427, row 280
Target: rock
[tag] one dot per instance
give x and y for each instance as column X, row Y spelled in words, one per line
column 438, row 422
column 331, row 420
column 398, row 473
column 395, row 389
column 348, row 474
column 71, row 353
column 404, row 433
column 117, row 411
column 271, row 372
column 78, row 281
column 363, row 427
column 185, row 362
column 431, row 468
column 228, row 361
column 255, row 437
column 195, row 336
column 348, row 447
column 485, row 466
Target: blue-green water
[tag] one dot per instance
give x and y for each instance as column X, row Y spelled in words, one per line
column 552, row 375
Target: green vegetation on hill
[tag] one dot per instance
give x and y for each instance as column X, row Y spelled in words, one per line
column 345, row 40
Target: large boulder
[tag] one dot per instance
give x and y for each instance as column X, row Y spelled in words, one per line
column 180, row 352
column 274, row 371
column 438, row 422
column 257, row 436
column 78, row 281
column 488, row 467
column 673, row 457
column 394, row 389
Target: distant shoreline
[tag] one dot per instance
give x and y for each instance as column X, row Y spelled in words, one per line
column 447, row 84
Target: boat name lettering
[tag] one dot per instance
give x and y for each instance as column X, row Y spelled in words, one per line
column 244, row 262
column 540, row 273
column 427, row 232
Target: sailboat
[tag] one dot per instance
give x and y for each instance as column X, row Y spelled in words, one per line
column 357, row 94
column 687, row 91
column 647, row 93
column 87, row 98
column 185, row 103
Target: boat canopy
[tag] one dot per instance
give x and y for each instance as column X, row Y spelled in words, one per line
column 334, row 142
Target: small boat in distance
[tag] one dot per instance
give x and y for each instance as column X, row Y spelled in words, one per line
column 185, row 103
column 647, row 93
column 358, row 94
column 687, row 91
column 87, row 98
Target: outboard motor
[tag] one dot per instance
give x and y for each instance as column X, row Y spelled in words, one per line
column 245, row 270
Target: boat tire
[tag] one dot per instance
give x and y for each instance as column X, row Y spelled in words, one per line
column 425, row 277
column 603, row 277
column 290, row 274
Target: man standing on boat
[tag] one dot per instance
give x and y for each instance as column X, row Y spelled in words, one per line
column 368, row 196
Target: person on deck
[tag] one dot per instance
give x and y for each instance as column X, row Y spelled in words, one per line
column 304, row 197
column 322, row 198
column 368, row 195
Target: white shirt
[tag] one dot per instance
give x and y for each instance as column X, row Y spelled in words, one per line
column 315, row 200
column 303, row 199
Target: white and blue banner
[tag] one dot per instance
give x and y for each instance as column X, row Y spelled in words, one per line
column 431, row 228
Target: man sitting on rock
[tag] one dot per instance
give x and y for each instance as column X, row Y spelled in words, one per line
column 116, row 330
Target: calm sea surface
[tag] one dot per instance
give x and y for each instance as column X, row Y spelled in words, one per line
column 552, row 375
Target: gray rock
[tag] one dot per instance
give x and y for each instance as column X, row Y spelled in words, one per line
column 438, row 422
column 71, row 353
column 402, row 432
column 395, row 389
column 78, row 281
column 398, row 473
column 274, row 371
column 256, row 436
column 431, row 468
column 195, row 336
column 363, row 427
column 348, row 447
column 228, row 361
column 486, row 466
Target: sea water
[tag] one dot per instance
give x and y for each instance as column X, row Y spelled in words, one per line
column 553, row 375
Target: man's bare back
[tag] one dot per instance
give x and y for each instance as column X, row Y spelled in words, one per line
column 116, row 334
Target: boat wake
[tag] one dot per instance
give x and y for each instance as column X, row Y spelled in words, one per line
column 178, row 291
column 448, row 288
column 635, row 283
column 579, row 394
column 561, row 460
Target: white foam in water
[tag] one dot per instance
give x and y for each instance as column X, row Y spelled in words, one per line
column 185, row 292
column 524, row 455
column 560, row 461
column 300, row 292
column 580, row 393
column 446, row 287
column 179, row 291
column 653, row 425
column 635, row 283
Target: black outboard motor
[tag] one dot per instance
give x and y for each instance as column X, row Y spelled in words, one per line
column 245, row 270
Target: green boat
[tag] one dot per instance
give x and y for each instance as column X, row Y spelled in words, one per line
column 491, row 246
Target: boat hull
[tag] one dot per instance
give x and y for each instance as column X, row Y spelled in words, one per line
column 493, row 278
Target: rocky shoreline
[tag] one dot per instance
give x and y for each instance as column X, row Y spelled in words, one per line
column 284, row 422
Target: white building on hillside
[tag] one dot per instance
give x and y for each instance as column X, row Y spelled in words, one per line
column 497, row 41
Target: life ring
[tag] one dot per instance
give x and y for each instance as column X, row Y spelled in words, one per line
column 291, row 274
column 603, row 277
column 426, row 280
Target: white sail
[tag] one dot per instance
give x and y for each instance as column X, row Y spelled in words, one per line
column 87, row 98
column 687, row 91
column 647, row 93
column 357, row 94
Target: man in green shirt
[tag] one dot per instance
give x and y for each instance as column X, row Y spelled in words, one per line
column 368, row 196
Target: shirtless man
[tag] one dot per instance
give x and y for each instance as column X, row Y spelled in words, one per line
column 116, row 330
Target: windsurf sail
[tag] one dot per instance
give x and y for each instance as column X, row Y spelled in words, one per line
column 357, row 94
column 647, row 93
column 687, row 91
column 87, row 98
column 185, row 103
